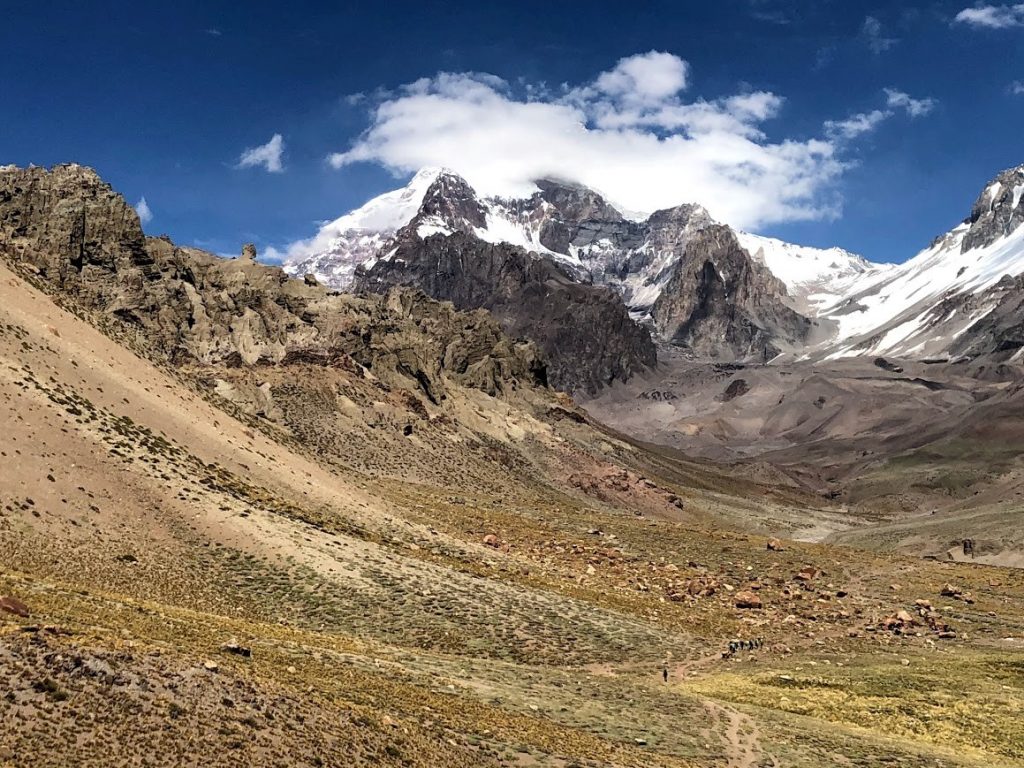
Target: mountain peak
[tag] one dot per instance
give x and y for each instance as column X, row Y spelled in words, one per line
column 998, row 210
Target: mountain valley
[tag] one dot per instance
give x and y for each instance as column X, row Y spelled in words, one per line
column 252, row 519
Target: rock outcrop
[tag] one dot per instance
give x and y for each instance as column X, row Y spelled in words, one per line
column 75, row 231
column 999, row 332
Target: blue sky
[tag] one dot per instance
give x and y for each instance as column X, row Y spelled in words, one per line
column 164, row 101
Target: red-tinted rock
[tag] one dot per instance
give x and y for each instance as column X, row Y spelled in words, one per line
column 15, row 606
column 748, row 599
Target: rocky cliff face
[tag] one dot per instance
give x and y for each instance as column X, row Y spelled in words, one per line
column 998, row 210
column 75, row 231
column 721, row 304
column 632, row 257
column 584, row 330
column 999, row 333
column 76, row 237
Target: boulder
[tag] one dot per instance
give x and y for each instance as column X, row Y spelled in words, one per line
column 806, row 573
column 747, row 599
column 233, row 646
column 14, row 605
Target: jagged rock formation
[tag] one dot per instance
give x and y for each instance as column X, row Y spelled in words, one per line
column 75, row 231
column 540, row 263
column 584, row 330
column 721, row 304
column 447, row 249
column 997, row 212
column 999, row 332
column 81, row 239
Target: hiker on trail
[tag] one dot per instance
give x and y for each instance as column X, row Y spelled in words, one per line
column 664, row 673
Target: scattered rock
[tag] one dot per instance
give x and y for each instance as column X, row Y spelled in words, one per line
column 210, row 666
column 490, row 540
column 737, row 388
column 775, row 545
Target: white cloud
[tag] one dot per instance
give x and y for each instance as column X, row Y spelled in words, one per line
column 914, row 107
column 865, row 122
column 856, row 125
column 267, row 155
column 144, row 212
column 876, row 39
column 1017, row 87
column 645, row 78
column 992, row 16
column 627, row 133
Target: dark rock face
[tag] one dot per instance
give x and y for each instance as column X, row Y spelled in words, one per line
column 580, row 217
column 76, row 237
column 584, row 331
column 885, row 365
column 721, row 304
column 451, row 199
column 611, row 246
column 998, row 211
column 736, row 388
column 1000, row 333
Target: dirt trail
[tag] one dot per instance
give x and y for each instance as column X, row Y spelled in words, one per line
column 739, row 735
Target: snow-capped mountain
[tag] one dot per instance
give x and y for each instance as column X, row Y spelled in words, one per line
column 571, row 225
column 764, row 295
column 923, row 307
column 345, row 243
column 815, row 278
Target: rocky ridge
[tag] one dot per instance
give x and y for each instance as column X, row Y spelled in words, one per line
column 80, row 239
column 799, row 301
column 582, row 280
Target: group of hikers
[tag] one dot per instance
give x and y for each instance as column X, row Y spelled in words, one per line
column 734, row 647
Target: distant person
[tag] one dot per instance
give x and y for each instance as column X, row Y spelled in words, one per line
column 664, row 673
